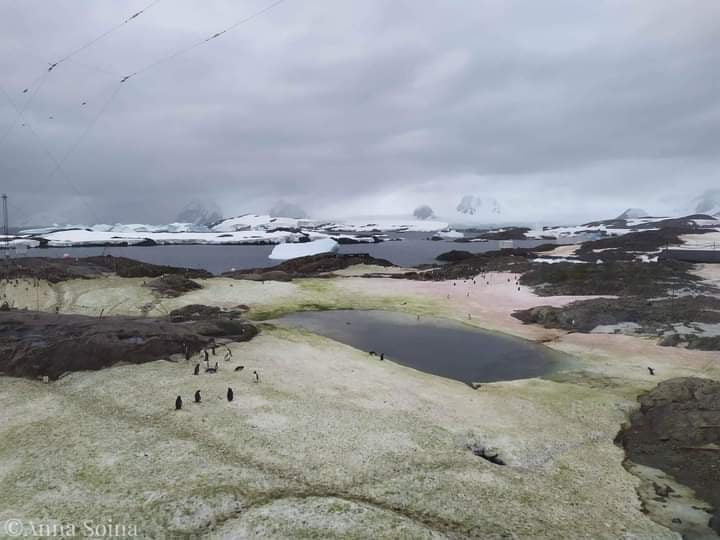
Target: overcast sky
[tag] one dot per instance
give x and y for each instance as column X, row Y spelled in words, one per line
column 560, row 110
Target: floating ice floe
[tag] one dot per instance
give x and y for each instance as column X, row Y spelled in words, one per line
column 283, row 252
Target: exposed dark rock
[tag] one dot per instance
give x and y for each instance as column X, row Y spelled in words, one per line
column 611, row 278
column 348, row 240
column 57, row 270
column 35, row 344
column 173, row 285
column 504, row 260
column 454, row 256
column 677, row 430
column 485, row 453
column 627, row 246
column 271, row 275
column 509, row 233
column 198, row 312
column 654, row 317
column 703, row 343
column 310, row 266
column 670, row 340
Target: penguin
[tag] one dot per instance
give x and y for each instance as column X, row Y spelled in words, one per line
column 230, row 394
column 178, row 403
column 257, row 376
column 239, row 368
column 198, row 399
column 197, row 369
column 382, row 356
column 651, row 370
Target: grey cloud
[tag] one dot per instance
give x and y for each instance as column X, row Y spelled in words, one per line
column 364, row 107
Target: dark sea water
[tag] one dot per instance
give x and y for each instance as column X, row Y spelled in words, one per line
column 412, row 250
column 435, row 346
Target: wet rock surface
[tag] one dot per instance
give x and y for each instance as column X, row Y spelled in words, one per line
column 56, row 270
column 36, row 344
column 311, row 266
column 677, row 430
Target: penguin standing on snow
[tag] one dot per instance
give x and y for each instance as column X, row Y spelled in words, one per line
column 198, row 399
column 197, row 369
column 178, row 403
column 257, row 376
column 230, row 395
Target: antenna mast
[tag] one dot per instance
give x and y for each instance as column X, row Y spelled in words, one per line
column 6, row 225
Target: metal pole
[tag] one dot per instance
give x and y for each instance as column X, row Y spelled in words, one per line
column 6, row 225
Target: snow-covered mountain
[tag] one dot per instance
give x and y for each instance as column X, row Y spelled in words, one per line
column 708, row 203
column 474, row 205
column 200, row 213
column 633, row 213
column 266, row 222
column 423, row 212
column 287, row 209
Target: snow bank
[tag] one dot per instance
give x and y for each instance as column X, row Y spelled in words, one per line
column 84, row 237
column 283, row 252
column 389, row 225
column 549, row 260
column 260, row 221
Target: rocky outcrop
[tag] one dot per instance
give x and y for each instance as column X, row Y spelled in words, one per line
column 57, row 270
column 312, row 266
column 650, row 317
column 36, row 344
column 623, row 278
column 677, row 430
column 173, row 285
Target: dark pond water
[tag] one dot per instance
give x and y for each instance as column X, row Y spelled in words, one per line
column 436, row 346
column 412, row 250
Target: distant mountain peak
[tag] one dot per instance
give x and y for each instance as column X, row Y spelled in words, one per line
column 708, row 202
column 633, row 213
column 200, row 213
column 287, row 209
column 472, row 204
column 423, row 212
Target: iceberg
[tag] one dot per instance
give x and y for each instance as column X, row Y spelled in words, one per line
column 283, row 252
